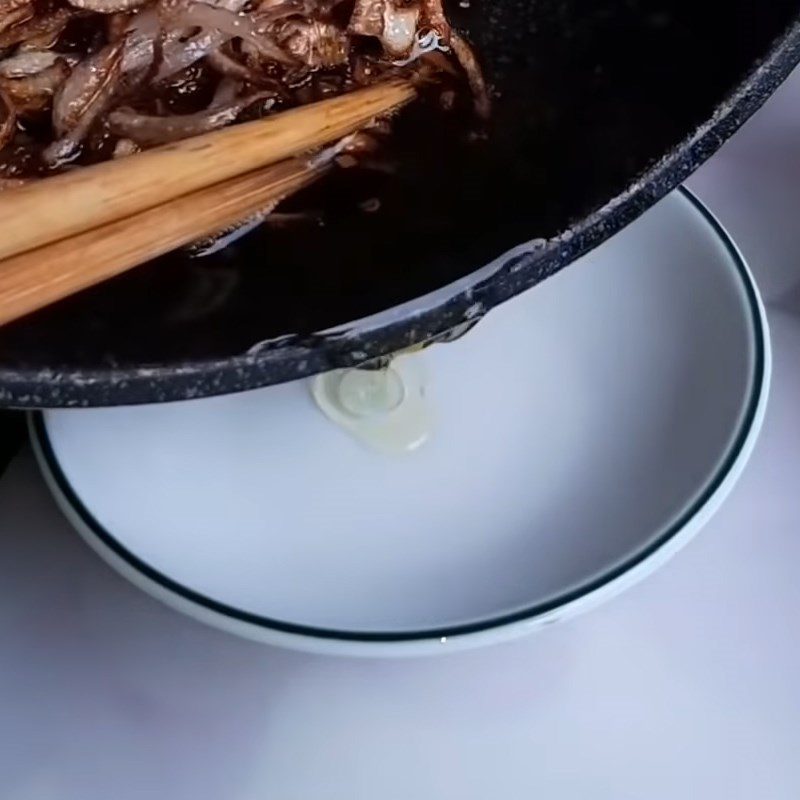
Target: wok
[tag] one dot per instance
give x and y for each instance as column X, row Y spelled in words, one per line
column 601, row 108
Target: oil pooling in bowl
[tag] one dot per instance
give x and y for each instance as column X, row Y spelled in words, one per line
column 387, row 409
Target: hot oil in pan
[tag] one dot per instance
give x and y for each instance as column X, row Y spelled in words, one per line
column 362, row 239
column 379, row 233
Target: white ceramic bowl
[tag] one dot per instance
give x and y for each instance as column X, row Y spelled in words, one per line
column 585, row 431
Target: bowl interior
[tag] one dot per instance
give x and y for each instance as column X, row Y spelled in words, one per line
column 620, row 403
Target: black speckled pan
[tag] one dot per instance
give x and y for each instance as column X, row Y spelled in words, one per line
column 603, row 107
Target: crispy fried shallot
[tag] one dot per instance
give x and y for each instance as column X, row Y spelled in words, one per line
column 83, row 81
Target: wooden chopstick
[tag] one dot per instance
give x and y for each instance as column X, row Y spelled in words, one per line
column 68, row 204
column 36, row 278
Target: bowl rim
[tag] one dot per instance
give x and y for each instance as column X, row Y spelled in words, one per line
column 611, row 581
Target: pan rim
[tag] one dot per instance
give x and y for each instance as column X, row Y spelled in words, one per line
column 419, row 320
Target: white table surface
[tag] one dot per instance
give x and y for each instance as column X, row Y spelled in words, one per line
column 687, row 686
